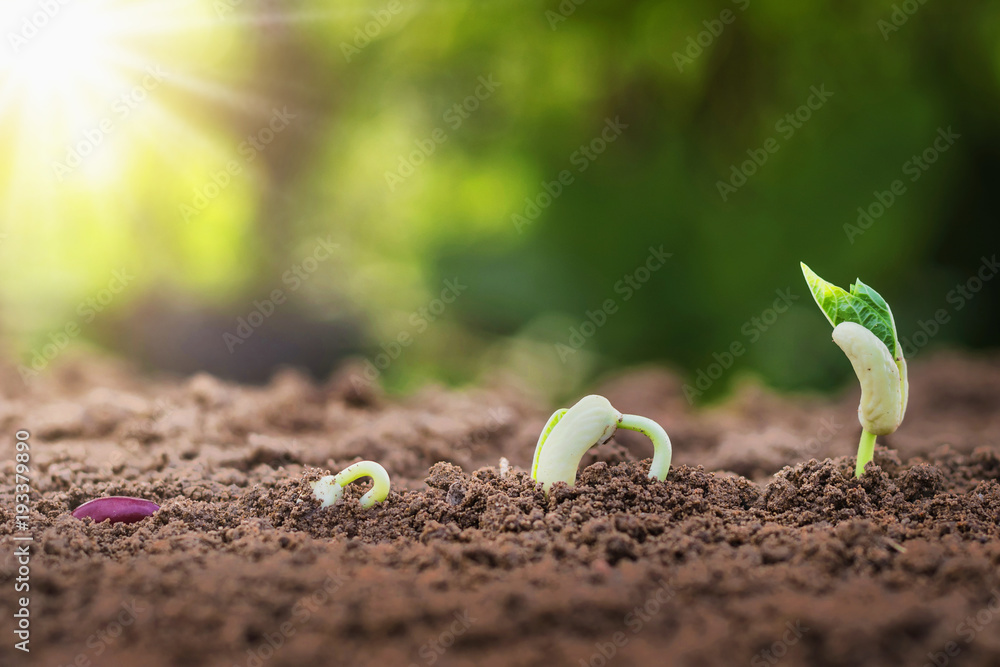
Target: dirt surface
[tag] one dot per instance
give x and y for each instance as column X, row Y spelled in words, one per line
column 759, row 549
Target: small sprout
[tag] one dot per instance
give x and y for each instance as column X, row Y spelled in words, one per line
column 330, row 489
column 865, row 331
column 117, row 509
column 569, row 433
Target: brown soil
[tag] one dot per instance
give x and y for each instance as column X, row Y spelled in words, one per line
column 733, row 560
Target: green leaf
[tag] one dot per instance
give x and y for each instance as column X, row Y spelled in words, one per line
column 862, row 305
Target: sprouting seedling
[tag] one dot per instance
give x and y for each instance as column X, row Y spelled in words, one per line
column 865, row 331
column 330, row 489
column 569, row 433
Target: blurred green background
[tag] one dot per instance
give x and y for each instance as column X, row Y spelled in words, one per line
column 410, row 136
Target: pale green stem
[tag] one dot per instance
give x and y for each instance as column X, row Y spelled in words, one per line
column 662, row 450
column 380, row 481
column 866, row 452
column 329, row 490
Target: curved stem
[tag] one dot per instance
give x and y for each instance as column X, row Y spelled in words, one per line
column 380, row 481
column 866, row 452
column 662, row 449
column 330, row 489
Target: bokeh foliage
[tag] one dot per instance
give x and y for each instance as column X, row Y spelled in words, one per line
column 356, row 114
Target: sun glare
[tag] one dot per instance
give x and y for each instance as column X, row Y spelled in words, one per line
column 108, row 108
column 58, row 63
column 114, row 114
column 65, row 51
column 76, row 73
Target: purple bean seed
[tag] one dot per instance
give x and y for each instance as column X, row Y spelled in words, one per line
column 119, row 509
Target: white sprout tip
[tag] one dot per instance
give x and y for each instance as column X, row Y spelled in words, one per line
column 327, row 491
